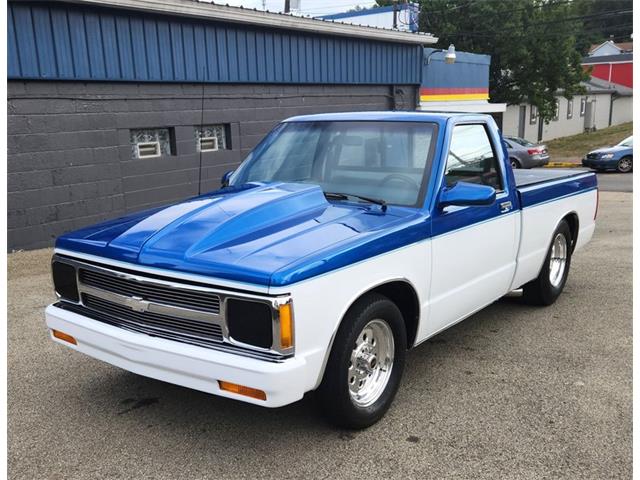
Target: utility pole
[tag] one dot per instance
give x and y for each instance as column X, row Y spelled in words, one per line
column 287, row 6
column 395, row 14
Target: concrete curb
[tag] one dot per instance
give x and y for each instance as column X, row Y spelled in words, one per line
column 563, row 165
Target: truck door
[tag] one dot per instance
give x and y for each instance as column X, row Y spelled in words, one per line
column 474, row 247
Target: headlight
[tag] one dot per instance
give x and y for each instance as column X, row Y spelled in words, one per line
column 65, row 281
column 250, row 322
column 261, row 324
column 606, row 155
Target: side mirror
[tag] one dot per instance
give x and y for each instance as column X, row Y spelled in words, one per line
column 224, row 181
column 464, row 193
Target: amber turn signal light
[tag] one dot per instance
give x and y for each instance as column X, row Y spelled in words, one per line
column 286, row 326
column 64, row 337
column 242, row 390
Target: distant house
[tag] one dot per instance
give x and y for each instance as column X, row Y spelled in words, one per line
column 610, row 48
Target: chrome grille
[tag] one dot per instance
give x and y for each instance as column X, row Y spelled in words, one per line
column 164, row 307
column 186, row 298
column 164, row 326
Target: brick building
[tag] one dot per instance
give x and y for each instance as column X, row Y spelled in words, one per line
column 115, row 106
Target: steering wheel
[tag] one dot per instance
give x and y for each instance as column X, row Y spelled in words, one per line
column 398, row 177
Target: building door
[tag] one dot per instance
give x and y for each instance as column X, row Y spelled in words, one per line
column 522, row 118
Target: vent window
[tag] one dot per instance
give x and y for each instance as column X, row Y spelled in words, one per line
column 211, row 138
column 151, row 142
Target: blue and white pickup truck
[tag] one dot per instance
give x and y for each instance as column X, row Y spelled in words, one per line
column 340, row 242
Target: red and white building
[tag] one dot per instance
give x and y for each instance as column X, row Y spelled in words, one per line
column 611, row 62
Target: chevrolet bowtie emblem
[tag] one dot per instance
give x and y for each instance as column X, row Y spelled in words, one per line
column 137, row 304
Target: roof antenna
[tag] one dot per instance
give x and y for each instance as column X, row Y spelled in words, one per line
column 200, row 134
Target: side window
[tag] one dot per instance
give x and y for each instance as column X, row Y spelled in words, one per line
column 471, row 157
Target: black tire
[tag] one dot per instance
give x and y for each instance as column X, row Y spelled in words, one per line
column 333, row 395
column 515, row 163
column 625, row 164
column 542, row 291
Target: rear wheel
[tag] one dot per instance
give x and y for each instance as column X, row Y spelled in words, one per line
column 365, row 365
column 545, row 289
column 515, row 163
column 625, row 164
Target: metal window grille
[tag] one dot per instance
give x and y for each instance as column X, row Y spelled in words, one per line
column 211, row 138
column 152, row 142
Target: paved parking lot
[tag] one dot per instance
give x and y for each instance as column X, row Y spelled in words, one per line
column 512, row 392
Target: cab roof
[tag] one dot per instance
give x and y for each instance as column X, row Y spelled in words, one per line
column 387, row 116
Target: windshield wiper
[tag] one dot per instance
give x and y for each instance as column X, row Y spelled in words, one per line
column 346, row 196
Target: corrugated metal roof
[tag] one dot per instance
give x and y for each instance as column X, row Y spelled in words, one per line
column 226, row 13
column 63, row 41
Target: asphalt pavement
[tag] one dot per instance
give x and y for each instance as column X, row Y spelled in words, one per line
column 513, row 392
column 615, row 182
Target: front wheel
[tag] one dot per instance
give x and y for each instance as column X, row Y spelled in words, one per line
column 365, row 365
column 545, row 289
column 625, row 165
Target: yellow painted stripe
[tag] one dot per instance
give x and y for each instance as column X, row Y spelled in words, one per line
column 459, row 96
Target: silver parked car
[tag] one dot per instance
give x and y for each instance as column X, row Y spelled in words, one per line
column 524, row 154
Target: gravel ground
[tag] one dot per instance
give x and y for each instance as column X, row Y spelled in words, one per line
column 513, row 392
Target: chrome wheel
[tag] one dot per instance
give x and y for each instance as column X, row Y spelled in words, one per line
column 624, row 165
column 371, row 363
column 558, row 260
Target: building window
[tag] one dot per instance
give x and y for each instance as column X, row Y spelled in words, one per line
column 150, row 142
column 570, row 108
column 211, row 138
column 583, row 106
column 533, row 116
column 556, row 110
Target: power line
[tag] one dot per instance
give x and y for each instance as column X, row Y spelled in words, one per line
column 584, row 30
column 489, row 33
column 511, row 10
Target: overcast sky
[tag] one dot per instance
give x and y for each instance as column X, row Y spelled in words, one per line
column 308, row 7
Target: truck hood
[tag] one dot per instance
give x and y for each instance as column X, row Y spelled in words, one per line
column 268, row 234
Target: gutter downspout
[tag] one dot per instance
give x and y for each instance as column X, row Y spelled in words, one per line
column 614, row 97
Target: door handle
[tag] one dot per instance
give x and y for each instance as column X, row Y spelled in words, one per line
column 505, row 207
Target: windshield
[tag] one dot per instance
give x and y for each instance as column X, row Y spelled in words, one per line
column 627, row 142
column 521, row 141
column 379, row 160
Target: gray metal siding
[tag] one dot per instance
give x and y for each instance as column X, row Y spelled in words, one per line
column 68, row 42
column 69, row 152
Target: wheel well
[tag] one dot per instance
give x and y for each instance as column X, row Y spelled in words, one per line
column 572, row 220
column 406, row 299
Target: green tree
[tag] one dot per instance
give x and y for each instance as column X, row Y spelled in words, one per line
column 604, row 19
column 532, row 44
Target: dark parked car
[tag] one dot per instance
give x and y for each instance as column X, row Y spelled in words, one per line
column 524, row 154
column 618, row 157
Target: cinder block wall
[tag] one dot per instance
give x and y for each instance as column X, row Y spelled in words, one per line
column 69, row 152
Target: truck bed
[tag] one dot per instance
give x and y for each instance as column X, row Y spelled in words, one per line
column 544, row 185
column 527, row 178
